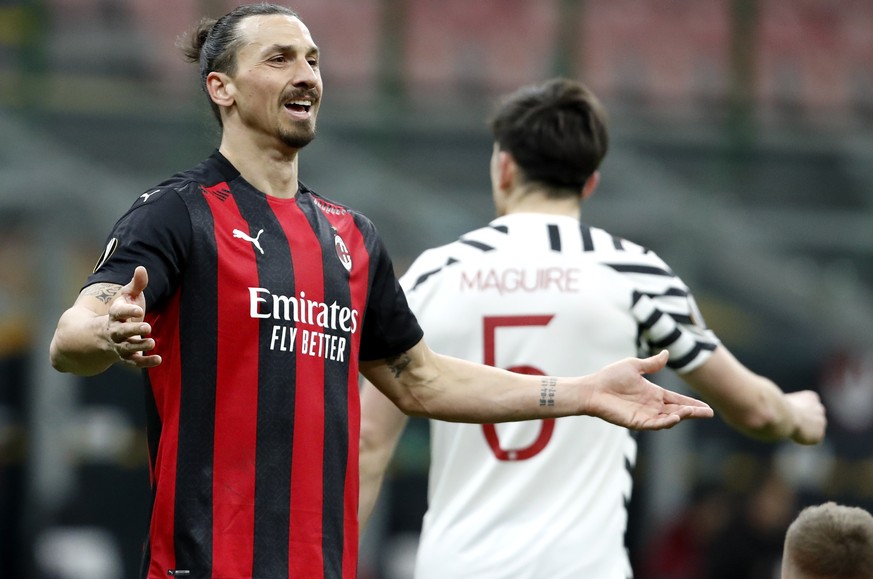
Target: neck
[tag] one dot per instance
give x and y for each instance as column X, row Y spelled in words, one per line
column 271, row 170
column 536, row 202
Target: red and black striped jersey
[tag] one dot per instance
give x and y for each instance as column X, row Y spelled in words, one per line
column 261, row 308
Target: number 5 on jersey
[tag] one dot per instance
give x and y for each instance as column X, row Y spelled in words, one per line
column 490, row 325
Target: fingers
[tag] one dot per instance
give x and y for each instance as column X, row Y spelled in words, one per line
column 680, row 399
column 126, row 328
column 668, row 413
column 678, row 407
column 811, row 417
column 694, row 411
column 128, row 338
column 663, row 422
column 128, row 345
column 122, row 312
column 654, row 364
column 132, row 352
column 686, row 406
column 141, row 361
column 134, row 344
column 674, row 416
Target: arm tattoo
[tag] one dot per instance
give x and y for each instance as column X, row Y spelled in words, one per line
column 397, row 364
column 105, row 292
column 547, row 391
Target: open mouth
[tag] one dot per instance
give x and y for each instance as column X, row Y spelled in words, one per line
column 299, row 106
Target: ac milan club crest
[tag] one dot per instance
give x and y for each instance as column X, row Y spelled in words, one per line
column 342, row 252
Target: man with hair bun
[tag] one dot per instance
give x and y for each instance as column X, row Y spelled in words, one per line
column 251, row 304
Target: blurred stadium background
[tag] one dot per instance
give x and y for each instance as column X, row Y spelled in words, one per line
column 742, row 152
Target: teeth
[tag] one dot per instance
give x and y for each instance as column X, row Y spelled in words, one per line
column 301, row 103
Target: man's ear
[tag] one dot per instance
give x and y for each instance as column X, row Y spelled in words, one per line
column 220, row 88
column 507, row 170
column 590, row 185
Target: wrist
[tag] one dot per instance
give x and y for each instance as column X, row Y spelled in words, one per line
column 584, row 391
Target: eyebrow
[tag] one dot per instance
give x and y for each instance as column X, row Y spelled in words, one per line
column 292, row 48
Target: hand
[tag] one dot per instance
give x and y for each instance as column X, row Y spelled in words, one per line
column 810, row 417
column 125, row 328
column 623, row 396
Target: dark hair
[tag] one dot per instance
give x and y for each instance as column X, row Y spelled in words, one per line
column 214, row 43
column 556, row 133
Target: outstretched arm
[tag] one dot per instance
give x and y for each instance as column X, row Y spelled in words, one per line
column 104, row 326
column 420, row 382
column 423, row 383
column 382, row 425
column 755, row 405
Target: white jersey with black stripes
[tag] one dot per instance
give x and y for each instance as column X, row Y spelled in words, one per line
column 541, row 294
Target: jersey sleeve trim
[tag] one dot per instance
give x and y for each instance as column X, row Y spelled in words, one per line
column 688, row 347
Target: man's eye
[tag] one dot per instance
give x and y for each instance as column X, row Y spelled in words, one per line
column 312, row 62
column 278, row 58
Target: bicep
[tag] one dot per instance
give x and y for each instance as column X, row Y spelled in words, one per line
column 398, row 376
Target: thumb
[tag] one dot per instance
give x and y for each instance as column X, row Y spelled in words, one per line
column 137, row 283
column 655, row 363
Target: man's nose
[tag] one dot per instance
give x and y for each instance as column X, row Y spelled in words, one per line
column 305, row 75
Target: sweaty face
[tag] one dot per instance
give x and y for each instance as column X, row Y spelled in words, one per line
column 277, row 82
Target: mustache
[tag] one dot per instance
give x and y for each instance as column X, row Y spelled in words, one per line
column 310, row 95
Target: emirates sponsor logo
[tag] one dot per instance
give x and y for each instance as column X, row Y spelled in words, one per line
column 267, row 305
column 334, row 321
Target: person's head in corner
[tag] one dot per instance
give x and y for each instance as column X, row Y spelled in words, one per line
column 829, row 541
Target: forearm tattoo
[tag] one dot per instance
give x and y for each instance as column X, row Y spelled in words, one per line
column 105, row 292
column 398, row 364
column 547, row 391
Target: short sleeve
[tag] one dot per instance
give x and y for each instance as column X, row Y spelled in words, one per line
column 155, row 233
column 390, row 327
column 669, row 319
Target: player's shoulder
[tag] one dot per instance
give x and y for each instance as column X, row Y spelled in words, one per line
column 606, row 242
column 166, row 196
column 607, row 248
column 429, row 263
column 491, row 235
column 469, row 247
column 209, row 175
column 473, row 245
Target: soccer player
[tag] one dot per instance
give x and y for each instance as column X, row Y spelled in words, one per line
column 252, row 303
column 828, row 541
column 538, row 292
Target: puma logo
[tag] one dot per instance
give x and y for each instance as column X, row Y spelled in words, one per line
column 145, row 196
column 254, row 240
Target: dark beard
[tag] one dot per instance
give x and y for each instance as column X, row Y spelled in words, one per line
column 299, row 138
